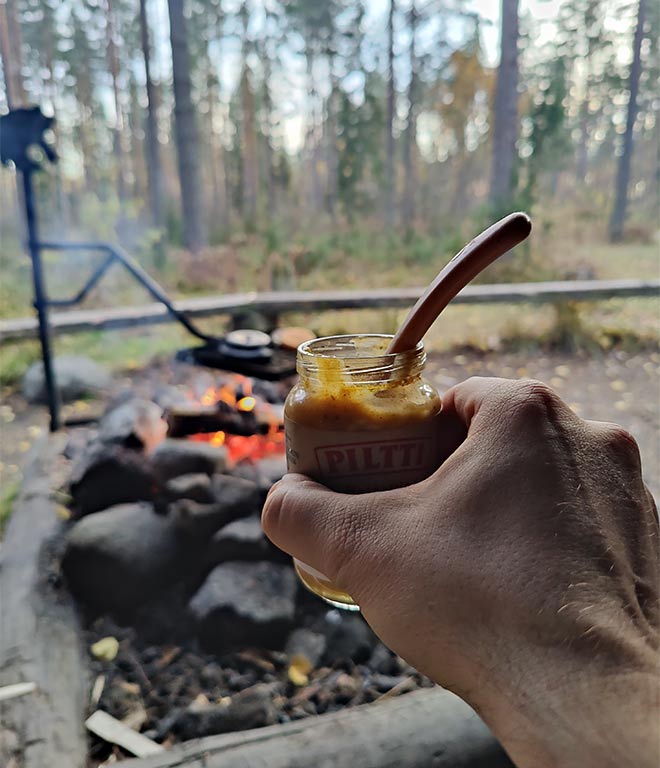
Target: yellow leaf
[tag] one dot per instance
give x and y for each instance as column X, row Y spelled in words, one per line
column 105, row 649
column 62, row 512
column 563, row 370
column 618, row 385
column 299, row 670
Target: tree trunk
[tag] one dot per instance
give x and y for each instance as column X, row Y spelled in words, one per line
column 311, row 140
column 216, row 165
column 410, row 137
column 10, row 50
column 390, row 181
column 249, row 148
column 332, row 154
column 152, row 153
column 505, row 132
column 582, row 151
column 618, row 217
column 268, row 137
column 187, row 136
column 117, row 137
column 140, row 182
column 86, row 135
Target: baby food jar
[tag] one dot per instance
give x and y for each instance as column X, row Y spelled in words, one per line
column 359, row 420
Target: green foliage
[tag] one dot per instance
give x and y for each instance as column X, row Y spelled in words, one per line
column 359, row 141
column 8, row 496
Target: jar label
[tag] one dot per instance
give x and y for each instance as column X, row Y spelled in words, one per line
column 363, row 461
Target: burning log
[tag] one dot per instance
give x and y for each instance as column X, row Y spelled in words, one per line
column 204, row 419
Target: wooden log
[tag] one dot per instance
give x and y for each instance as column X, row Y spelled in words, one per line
column 421, row 729
column 283, row 302
column 39, row 634
column 197, row 419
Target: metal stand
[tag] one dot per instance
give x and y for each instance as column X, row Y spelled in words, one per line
column 40, row 302
column 21, row 129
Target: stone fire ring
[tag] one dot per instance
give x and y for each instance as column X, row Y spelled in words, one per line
column 41, row 644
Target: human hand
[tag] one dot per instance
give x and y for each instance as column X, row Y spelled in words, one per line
column 522, row 575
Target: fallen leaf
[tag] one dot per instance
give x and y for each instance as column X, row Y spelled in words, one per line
column 299, row 669
column 97, row 690
column 105, row 649
column 62, row 512
column 132, row 688
column 563, row 370
column 618, row 385
column 136, row 718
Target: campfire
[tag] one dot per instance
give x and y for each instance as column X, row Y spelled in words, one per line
column 233, row 403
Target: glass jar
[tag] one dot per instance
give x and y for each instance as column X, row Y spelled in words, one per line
column 359, row 420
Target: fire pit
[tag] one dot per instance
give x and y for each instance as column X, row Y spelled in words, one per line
column 192, row 625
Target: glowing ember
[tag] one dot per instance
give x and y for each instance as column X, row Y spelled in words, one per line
column 217, row 438
column 237, row 393
column 246, row 404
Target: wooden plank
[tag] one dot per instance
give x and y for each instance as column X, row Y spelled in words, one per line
column 112, row 730
column 317, row 301
column 430, row 727
column 40, row 641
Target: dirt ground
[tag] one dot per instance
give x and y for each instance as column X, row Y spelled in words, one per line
column 617, row 386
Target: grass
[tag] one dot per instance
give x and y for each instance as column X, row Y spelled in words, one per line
column 8, row 496
column 361, row 259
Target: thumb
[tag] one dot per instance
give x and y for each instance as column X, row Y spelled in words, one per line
column 339, row 534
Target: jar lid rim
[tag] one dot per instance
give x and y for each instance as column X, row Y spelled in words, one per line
column 303, row 349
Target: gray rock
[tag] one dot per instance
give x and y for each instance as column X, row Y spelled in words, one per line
column 195, row 487
column 243, row 540
column 234, row 498
column 383, row 660
column 117, row 559
column 75, row 376
column 107, row 474
column 251, row 708
column 245, row 605
column 272, row 468
column 304, row 642
column 237, row 494
column 136, row 423
column 348, row 637
column 174, row 458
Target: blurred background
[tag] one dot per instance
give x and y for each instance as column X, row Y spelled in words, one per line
column 347, row 143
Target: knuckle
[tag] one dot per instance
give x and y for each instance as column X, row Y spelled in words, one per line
column 533, row 400
column 274, row 512
column 621, row 442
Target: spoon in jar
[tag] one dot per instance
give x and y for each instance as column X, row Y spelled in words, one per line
column 465, row 266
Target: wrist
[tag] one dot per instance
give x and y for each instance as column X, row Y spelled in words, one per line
column 574, row 715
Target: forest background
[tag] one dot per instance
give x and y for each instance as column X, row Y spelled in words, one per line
column 236, row 145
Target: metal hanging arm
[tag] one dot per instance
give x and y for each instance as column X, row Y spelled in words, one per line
column 116, row 254
column 21, row 132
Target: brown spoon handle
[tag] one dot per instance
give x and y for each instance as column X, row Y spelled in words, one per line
column 466, row 265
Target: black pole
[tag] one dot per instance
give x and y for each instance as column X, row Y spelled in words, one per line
column 40, row 301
